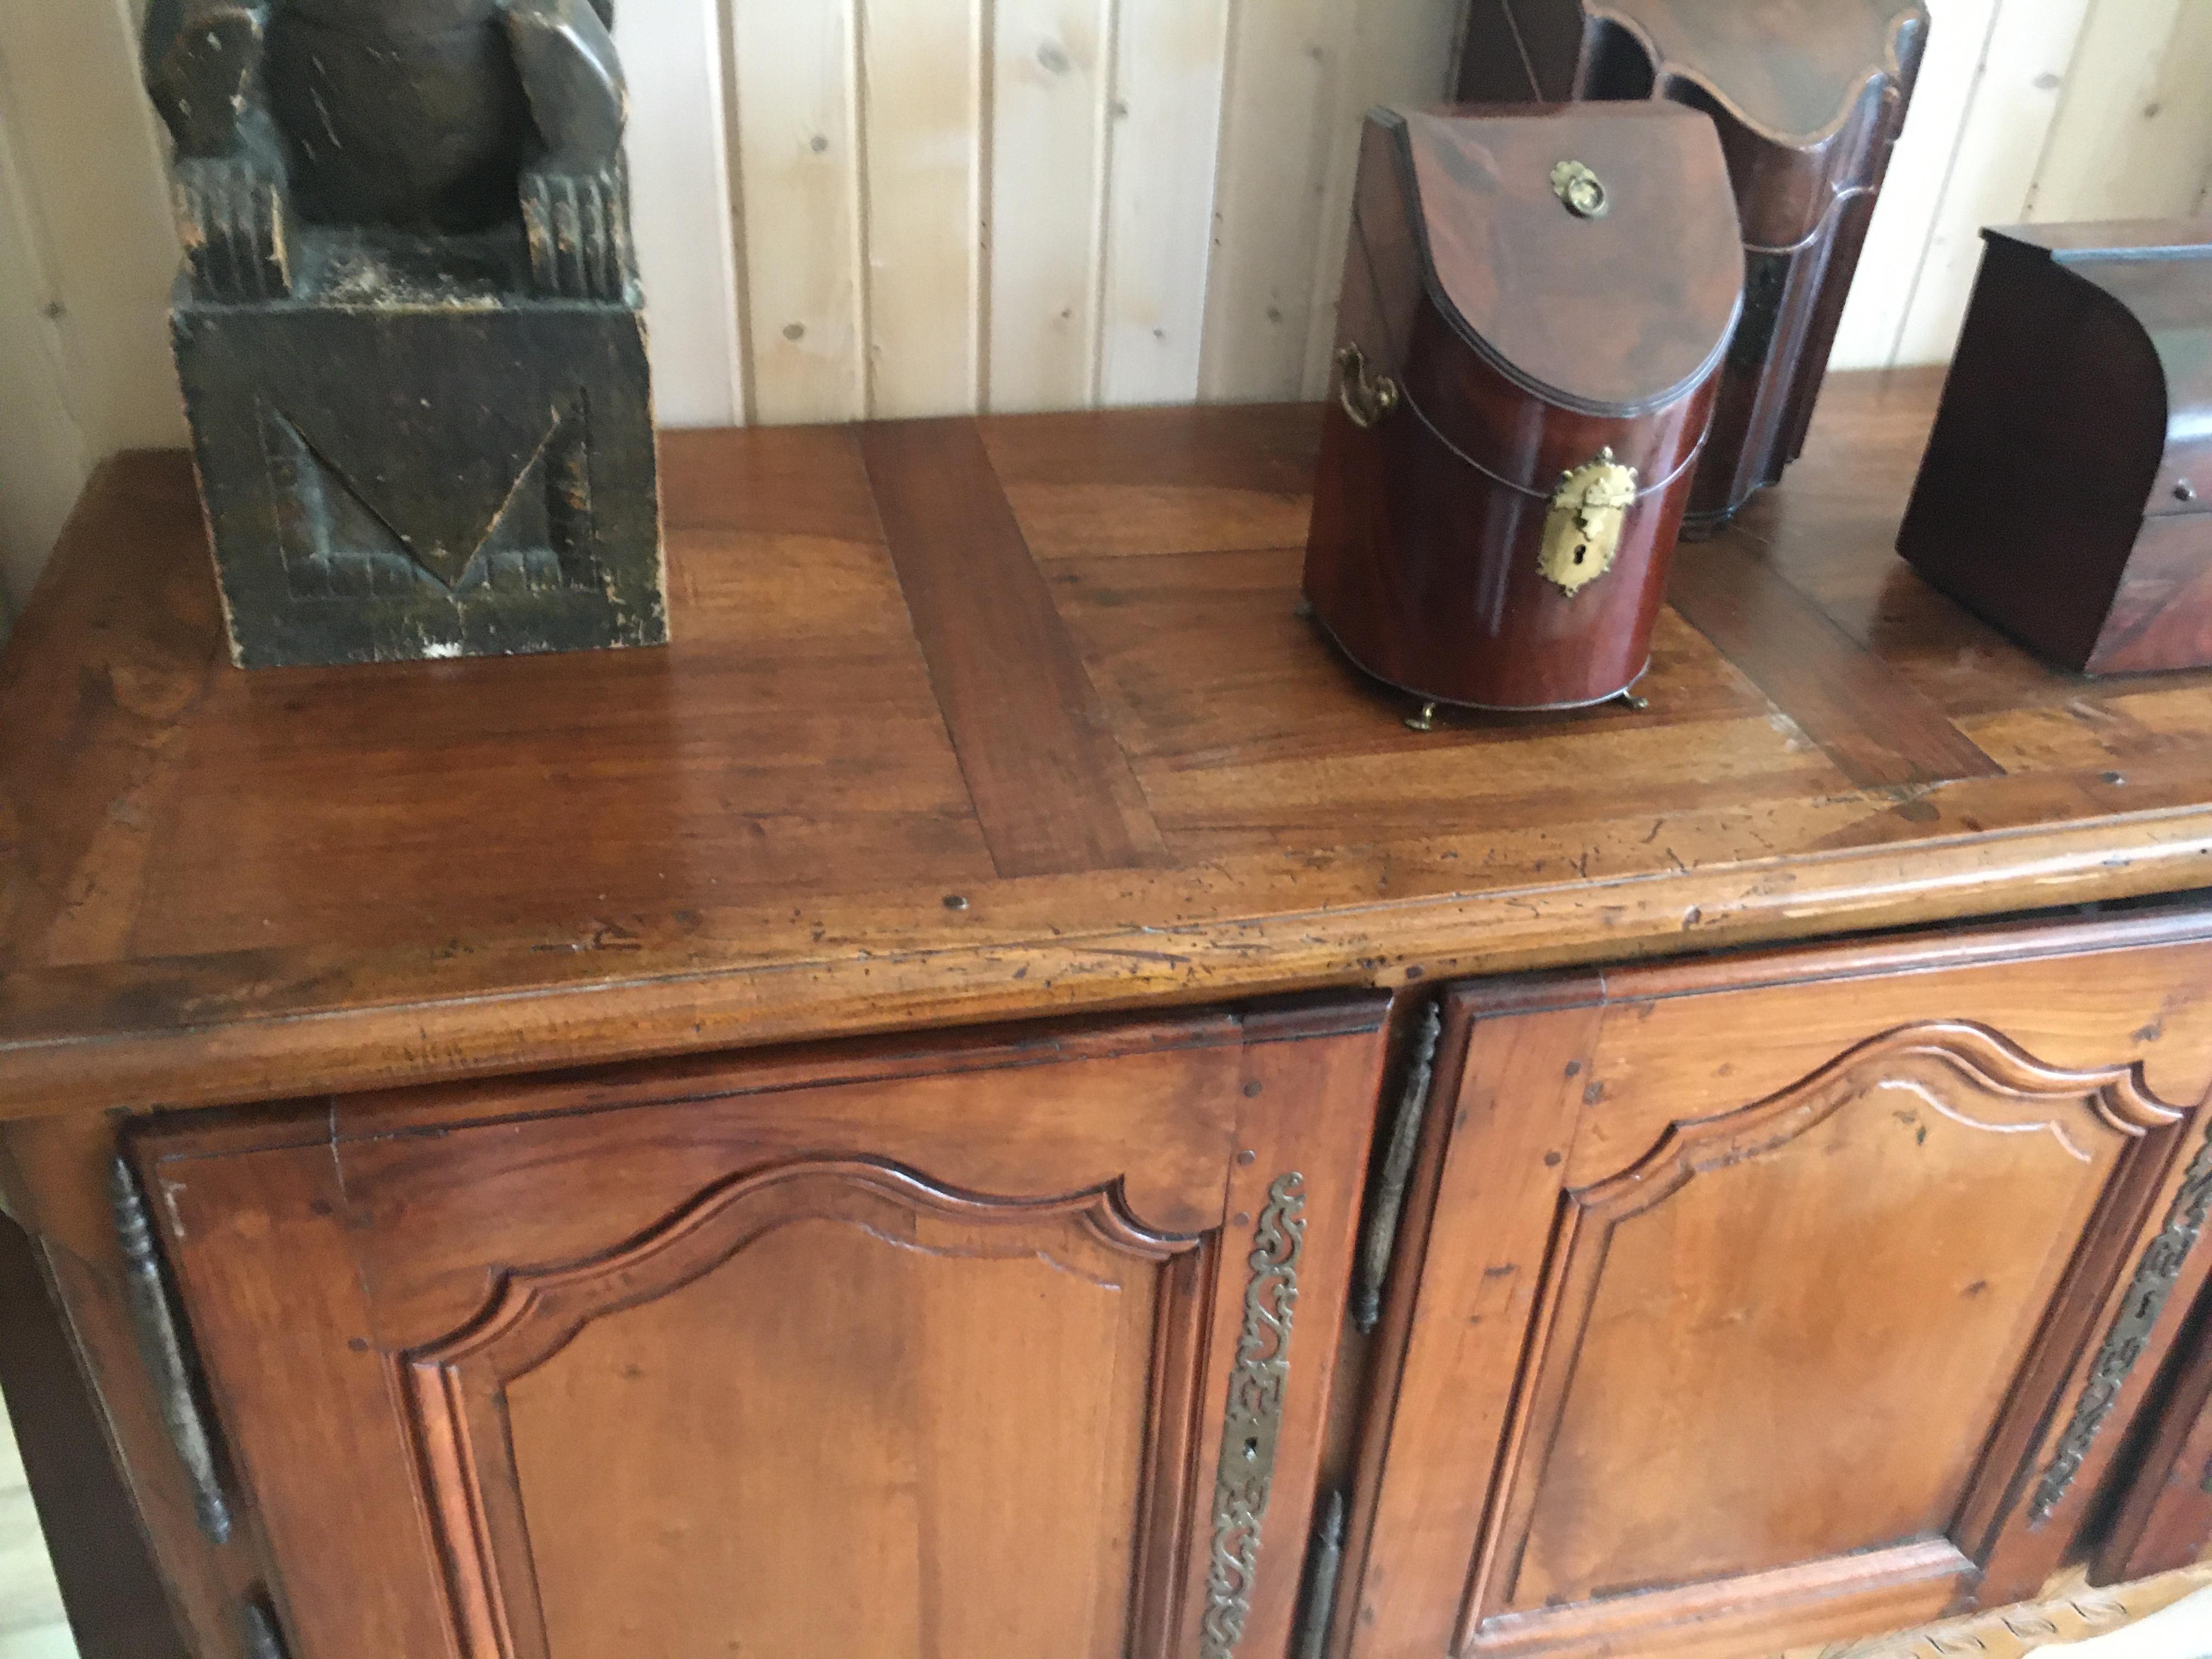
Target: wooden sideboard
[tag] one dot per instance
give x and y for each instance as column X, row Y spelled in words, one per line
column 994, row 1099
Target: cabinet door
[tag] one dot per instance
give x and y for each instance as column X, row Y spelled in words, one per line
column 1783, row 1298
column 965, row 1347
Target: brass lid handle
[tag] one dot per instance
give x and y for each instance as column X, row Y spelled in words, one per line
column 1367, row 400
column 1582, row 189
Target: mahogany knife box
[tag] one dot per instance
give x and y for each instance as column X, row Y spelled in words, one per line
column 1809, row 96
column 2064, row 494
column 1535, row 307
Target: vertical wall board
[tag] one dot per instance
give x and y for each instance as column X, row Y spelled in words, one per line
column 799, row 151
column 2133, row 139
column 2008, row 127
column 85, row 135
column 1403, row 52
column 671, row 54
column 905, row 207
column 1048, row 171
column 1905, row 219
column 921, row 74
column 1288, row 87
column 43, row 454
column 1165, row 131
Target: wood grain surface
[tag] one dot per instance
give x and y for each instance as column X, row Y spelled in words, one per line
column 221, row 886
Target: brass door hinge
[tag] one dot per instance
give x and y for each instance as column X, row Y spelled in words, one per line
column 262, row 1639
column 1381, row 1240
column 1326, row 1566
column 158, row 1325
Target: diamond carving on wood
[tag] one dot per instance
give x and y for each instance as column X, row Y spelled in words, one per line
column 408, row 325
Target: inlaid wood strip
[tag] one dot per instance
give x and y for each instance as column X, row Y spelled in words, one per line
column 1051, row 785
column 1877, row 728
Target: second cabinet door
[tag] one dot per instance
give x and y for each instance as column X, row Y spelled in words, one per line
column 962, row 1347
column 1783, row 1298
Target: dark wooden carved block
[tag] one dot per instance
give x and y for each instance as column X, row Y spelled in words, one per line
column 409, row 328
column 1809, row 96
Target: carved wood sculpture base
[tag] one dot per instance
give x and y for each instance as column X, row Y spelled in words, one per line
column 421, row 477
column 408, row 325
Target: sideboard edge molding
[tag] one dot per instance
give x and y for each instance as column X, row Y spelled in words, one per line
column 280, row 1053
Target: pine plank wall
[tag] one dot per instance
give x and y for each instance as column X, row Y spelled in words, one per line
column 850, row 208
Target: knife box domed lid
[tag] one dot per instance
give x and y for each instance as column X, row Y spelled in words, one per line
column 1620, row 304
column 1536, row 305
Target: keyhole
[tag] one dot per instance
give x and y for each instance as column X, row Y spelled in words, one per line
column 1251, row 1451
column 1579, row 550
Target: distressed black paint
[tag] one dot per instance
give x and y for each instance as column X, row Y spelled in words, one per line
column 409, row 329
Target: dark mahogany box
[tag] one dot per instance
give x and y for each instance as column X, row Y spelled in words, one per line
column 1809, row 96
column 2062, row 495
column 1536, row 304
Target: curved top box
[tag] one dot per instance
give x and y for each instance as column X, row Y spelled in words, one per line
column 1809, row 97
column 1536, row 303
column 2065, row 495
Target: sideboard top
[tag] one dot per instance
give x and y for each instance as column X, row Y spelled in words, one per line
column 972, row 719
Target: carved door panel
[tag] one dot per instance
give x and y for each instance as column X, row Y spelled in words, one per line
column 1782, row 1299
column 963, row 1346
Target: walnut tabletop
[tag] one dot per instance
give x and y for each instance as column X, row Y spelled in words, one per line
column 969, row 720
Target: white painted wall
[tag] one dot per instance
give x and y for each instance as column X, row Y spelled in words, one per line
column 86, row 257
column 853, row 208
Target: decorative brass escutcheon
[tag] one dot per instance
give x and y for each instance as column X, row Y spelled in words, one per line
column 1367, row 401
column 1582, row 532
column 1582, row 189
